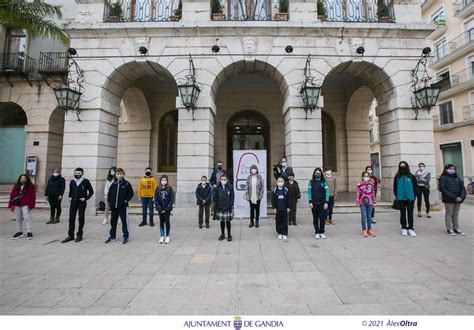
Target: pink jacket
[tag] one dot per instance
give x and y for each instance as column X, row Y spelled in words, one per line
column 366, row 190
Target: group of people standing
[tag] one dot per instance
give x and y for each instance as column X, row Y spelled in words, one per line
column 219, row 193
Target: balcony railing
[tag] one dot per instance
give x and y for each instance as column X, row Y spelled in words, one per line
column 468, row 112
column 448, row 48
column 460, row 5
column 250, row 10
column 140, row 10
column 462, row 77
column 53, row 62
column 357, row 11
column 16, row 63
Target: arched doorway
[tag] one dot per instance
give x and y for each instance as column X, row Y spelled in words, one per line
column 248, row 130
column 12, row 141
column 329, row 142
column 167, row 150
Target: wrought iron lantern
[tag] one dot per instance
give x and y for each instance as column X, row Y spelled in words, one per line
column 188, row 88
column 425, row 94
column 310, row 89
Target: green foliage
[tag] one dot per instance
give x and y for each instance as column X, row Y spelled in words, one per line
column 115, row 9
column 179, row 10
column 283, row 6
column 382, row 9
column 216, row 7
column 321, row 7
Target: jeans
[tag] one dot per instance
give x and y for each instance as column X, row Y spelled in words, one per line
column 22, row 214
column 425, row 192
column 147, row 203
column 451, row 215
column 406, row 210
column 319, row 218
column 366, row 211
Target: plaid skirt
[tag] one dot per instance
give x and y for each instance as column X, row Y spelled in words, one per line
column 224, row 216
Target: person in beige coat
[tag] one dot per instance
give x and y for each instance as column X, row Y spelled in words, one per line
column 254, row 191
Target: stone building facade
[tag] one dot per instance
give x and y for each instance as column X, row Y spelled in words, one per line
column 132, row 115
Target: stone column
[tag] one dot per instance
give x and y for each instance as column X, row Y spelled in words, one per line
column 195, row 153
column 91, row 144
column 404, row 138
column 196, row 10
column 303, row 143
column 302, row 11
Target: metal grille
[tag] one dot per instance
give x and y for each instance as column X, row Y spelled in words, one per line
column 16, row 63
column 139, row 10
column 53, row 62
column 355, row 10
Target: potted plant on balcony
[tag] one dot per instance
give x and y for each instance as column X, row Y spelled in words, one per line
column 177, row 13
column 321, row 7
column 114, row 11
column 282, row 15
column 383, row 12
column 217, row 11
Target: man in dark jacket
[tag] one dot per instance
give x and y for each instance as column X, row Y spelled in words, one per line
column 453, row 194
column 282, row 170
column 203, row 199
column 80, row 190
column 54, row 194
column 120, row 193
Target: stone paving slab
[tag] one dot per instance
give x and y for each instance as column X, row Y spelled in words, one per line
column 255, row 274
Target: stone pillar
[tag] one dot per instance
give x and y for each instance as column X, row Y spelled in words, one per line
column 303, row 143
column 195, row 154
column 404, row 138
column 302, row 11
column 407, row 11
column 91, row 144
column 196, row 10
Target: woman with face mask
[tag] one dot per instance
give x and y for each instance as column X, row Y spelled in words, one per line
column 365, row 199
column 423, row 177
column 318, row 195
column 54, row 194
column 254, row 194
column 108, row 183
column 223, row 200
column 453, row 194
column 370, row 170
column 22, row 201
column 164, row 198
column 405, row 189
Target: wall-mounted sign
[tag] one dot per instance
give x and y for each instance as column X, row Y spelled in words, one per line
column 31, row 165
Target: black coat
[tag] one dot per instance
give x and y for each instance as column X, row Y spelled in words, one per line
column 451, row 187
column 294, row 190
column 280, row 199
column 55, row 186
column 284, row 174
column 84, row 190
column 223, row 199
column 213, row 180
column 203, row 194
column 120, row 193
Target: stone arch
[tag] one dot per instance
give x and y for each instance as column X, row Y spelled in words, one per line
column 55, row 140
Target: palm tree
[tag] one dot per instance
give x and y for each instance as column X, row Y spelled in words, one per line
column 34, row 16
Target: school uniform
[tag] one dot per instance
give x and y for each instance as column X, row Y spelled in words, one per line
column 203, row 194
column 295, row 194
column 281, row 202
column 120, row 193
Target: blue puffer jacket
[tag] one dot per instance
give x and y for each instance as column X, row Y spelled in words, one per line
column 451, row 187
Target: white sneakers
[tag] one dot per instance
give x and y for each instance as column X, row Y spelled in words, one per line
column 285, row 237
column 162, row 240
column 451, row 232
column 317, row 236
column 323, row 236
column 404, row 232
column 105, row 221
column 408, row 232
column 280, row 236
column 167, row 239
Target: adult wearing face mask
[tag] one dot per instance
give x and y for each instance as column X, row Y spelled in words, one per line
column 108, row 182
column 331, row 181
column 318, row 195
column 370, row 170
column 22, row 201
column 254, row 194
column 80, row 191
column 54, row 194
column 164, row 198
column 405, row 190
column 203, row 200
column 120, row 193
column 423, row 177
column 146, row 193
column 453, row 193
column 283, row 170
column 223, row 199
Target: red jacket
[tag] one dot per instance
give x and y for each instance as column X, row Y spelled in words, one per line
column 28, row 199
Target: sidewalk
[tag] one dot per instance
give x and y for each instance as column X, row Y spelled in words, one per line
column 255, row 274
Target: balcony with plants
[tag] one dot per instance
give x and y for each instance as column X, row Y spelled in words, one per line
column 116, row 11
column 381, row 11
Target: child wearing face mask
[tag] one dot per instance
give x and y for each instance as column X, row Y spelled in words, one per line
column 164, row 198
column 203, row 200
column 120, row 193
column 295, row 195
column 331, row 181
column 281, row 204
column 146, row 193
column 80, row 191
column 108, row 183
column 370, row 170
column 423, row 177
column 365, row 199
column 54, row 194
column 223, row 200
column 405, row 190
column 318, row 195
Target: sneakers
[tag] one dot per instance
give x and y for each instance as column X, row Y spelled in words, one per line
column 331, row 221
column 67, row 239
column 221, row 238
column 411, row 233
column 162, row 240
column 29, row 235
column 105, row 221
column 280, row 236
column 229, row 238
column 419, row 214
column 125, row 240
column 17, row 235
column 459, row 232
column 373, row 221
column 200, row 226
column 327, row 222
column 167, row 239
column 404, row 232
column 364, row 233
column 143, row 223
column 428, row 215
column 371, row 233
column 317, row 236
column 78, row 239
column 285, row 237
column 451, row 232
column 323, row 236
column 110, row 240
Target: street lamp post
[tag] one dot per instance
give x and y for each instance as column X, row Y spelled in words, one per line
column 189, row 89
column 310, row 89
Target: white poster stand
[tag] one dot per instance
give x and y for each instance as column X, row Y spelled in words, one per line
column 243, row 159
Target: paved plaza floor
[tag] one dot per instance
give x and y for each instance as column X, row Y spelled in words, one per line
column 255, row 274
